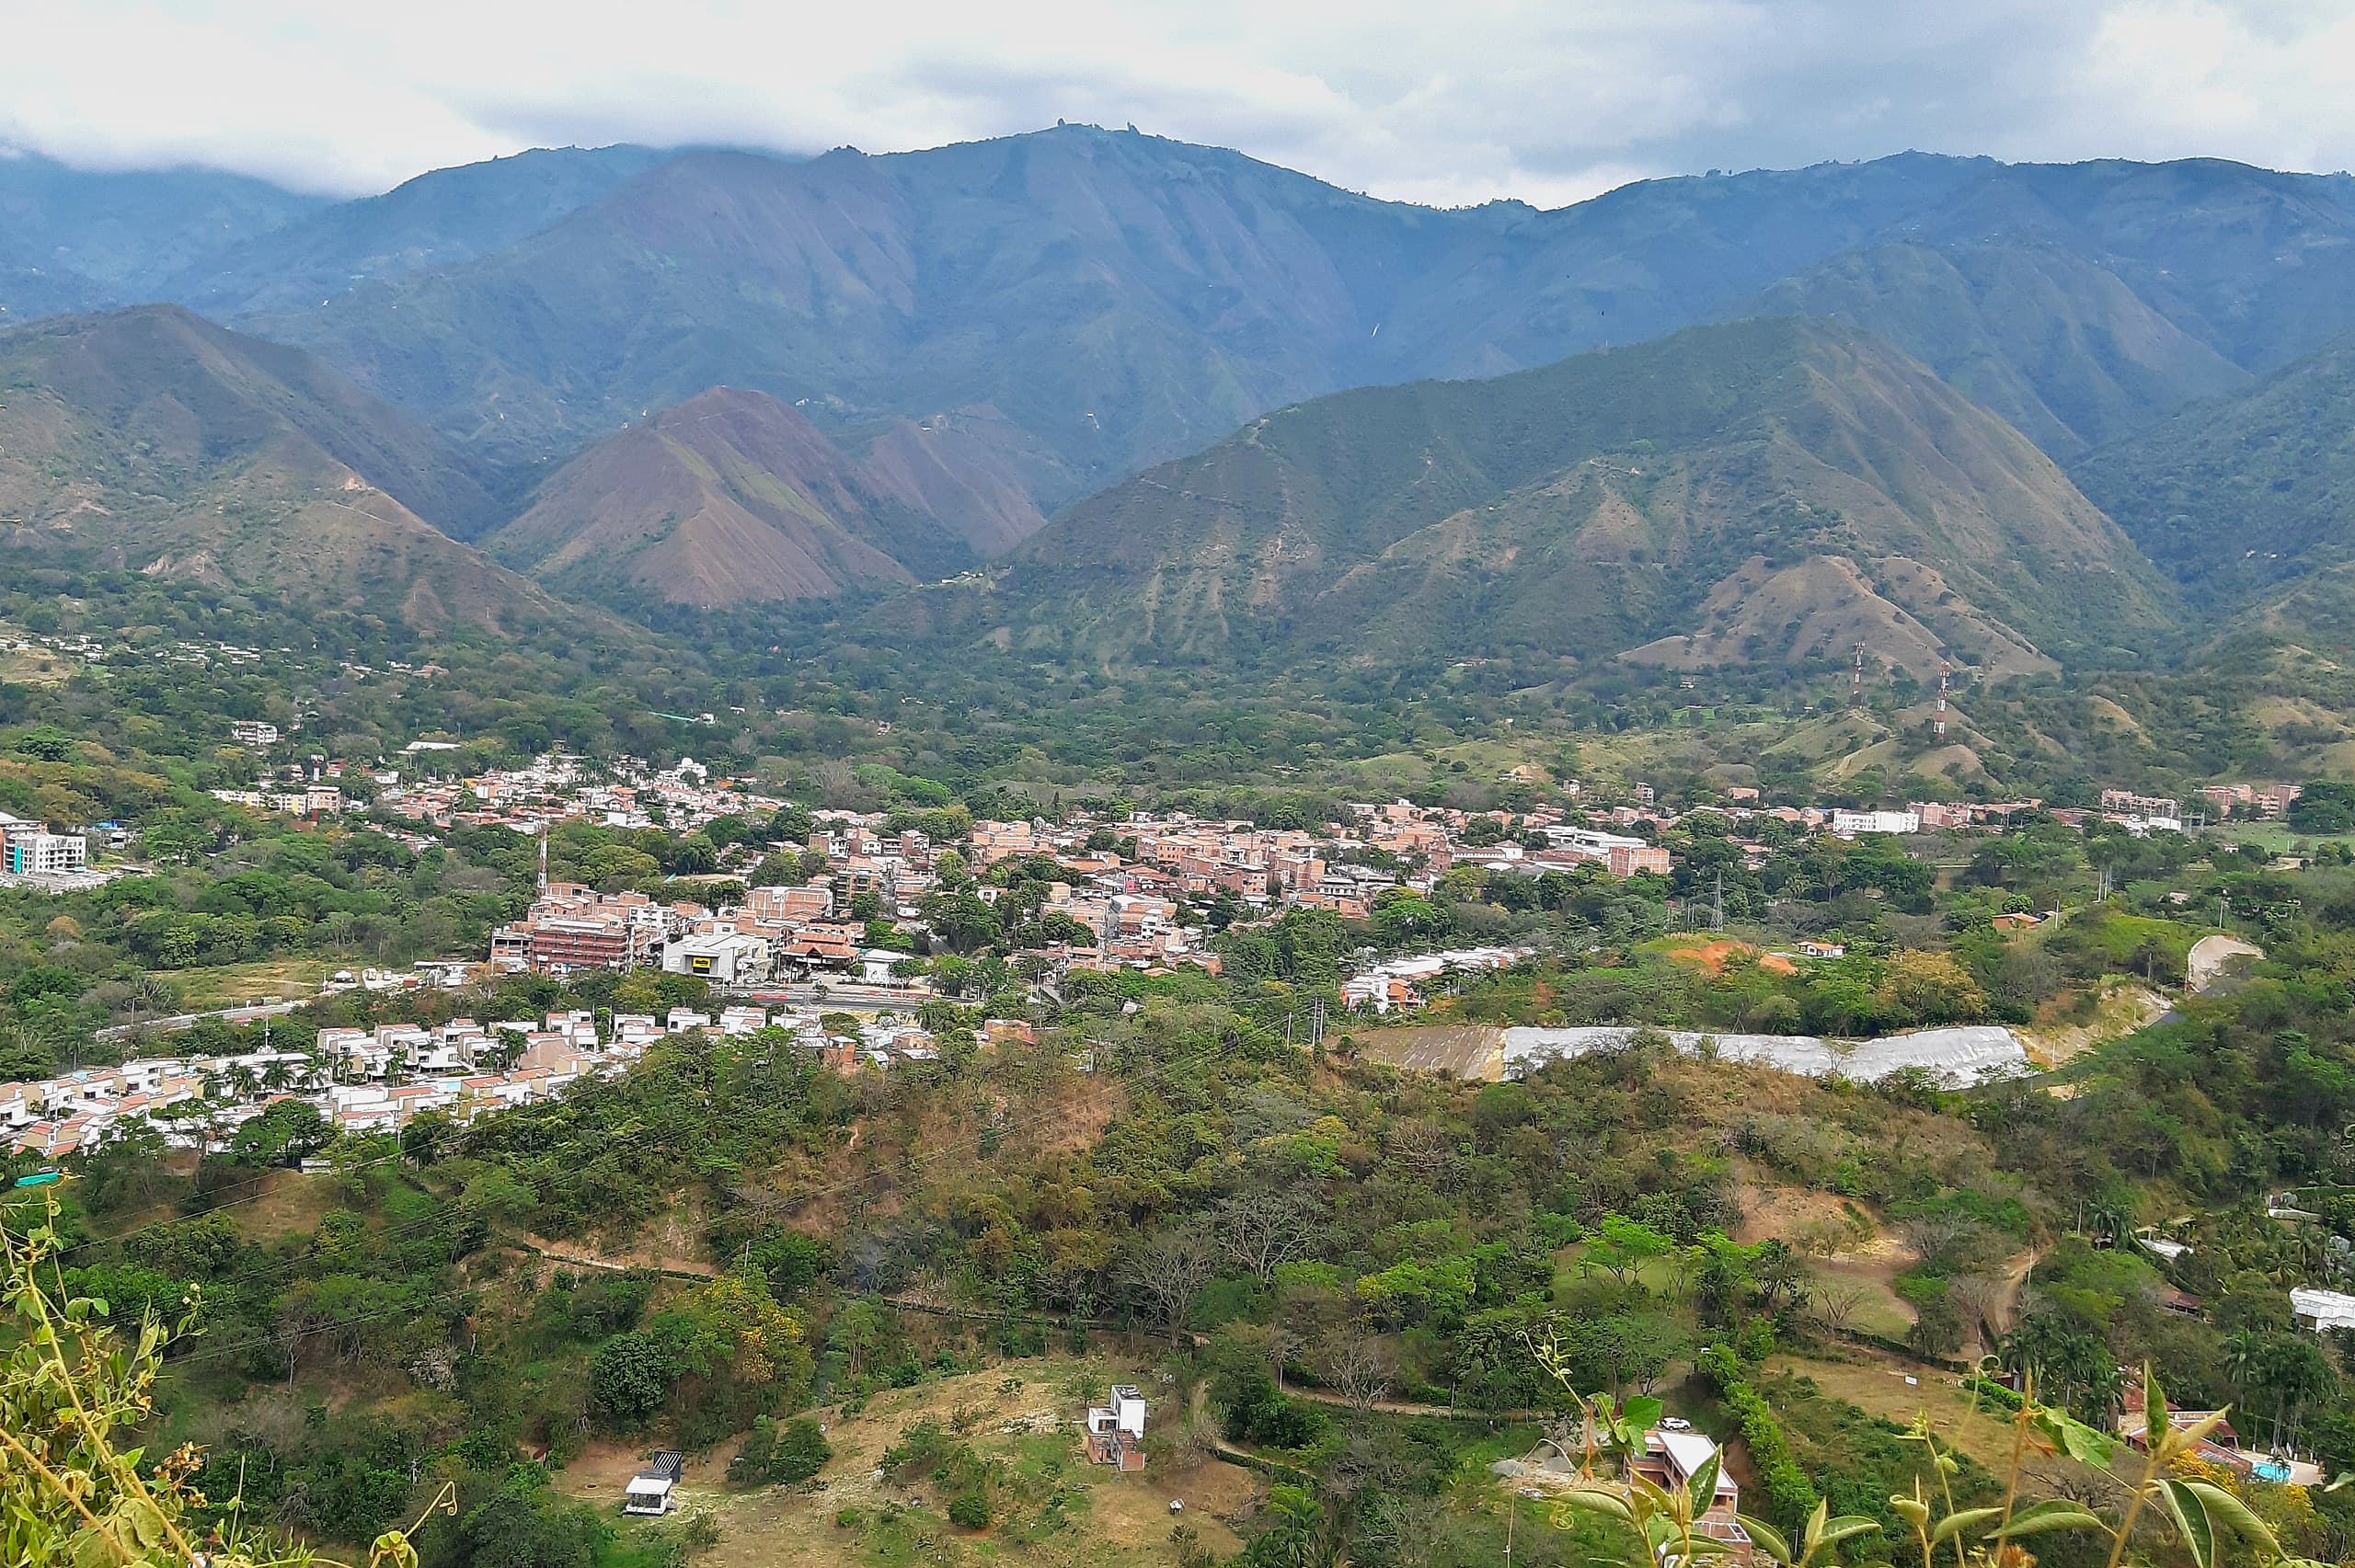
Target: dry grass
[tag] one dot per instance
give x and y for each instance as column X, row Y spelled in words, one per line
column 1878, row 1385
column 1471, row 1051
column 287, row 1202
column 1024, row 1414
column 2123, row 1008
column 233, row 985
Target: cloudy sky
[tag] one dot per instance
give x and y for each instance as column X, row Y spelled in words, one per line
column 1549, row 100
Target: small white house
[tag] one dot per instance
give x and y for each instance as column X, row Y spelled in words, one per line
column 1116, row 1428
column 650, row 1489
column 874, row 964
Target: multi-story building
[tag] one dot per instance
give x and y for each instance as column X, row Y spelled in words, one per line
column 1848, row 824
column 46, row 854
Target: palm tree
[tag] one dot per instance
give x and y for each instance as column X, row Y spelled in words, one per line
column 2243, row 1350
column 2105, row 1386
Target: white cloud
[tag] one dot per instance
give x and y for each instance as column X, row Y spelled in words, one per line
column 1549, row 100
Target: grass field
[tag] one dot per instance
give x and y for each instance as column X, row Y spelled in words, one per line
column 201, row 990
column 1054, row 1509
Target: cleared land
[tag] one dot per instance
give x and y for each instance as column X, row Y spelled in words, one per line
column 1022, row 1413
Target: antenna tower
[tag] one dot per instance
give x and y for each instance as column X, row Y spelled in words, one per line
column 1945, row 671
column 1857, row 679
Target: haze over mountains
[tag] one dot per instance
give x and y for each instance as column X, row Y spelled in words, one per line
column 723, row 379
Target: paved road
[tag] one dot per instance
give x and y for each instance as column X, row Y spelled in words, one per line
column 839, row 997
column 2205, row 964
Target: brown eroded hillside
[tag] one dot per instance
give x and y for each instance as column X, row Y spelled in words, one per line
column 732, row 497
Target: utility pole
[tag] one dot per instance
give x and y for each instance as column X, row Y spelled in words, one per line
column 1717, row 908
column 1316, row 1026
column 544, row 860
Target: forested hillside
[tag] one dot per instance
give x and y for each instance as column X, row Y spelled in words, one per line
column 2244, row 494
column 153, row 441
column 1590, row 510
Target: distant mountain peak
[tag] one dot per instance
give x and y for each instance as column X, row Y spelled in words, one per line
column 732, row 496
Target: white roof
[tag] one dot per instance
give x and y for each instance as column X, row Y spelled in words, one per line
column 2330, row 1309
column 1689, row 1451
column 653, row 1483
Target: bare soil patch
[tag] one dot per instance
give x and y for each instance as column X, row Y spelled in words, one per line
column 1714, row 955
column 1474, row 1052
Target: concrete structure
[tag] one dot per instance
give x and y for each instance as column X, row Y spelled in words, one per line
column 1400, row 983
column 46, row 854
column 727, row 958
column 649, row 1491
column 875, row 966
column 1115, row 1429
column 1848, row 824
column 2322, row 1311
column 1960, row 1055
column 1672, row 1458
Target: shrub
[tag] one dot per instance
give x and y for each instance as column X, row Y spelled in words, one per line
column 779, row 1453
column 967, row 1511
column 1790, row 1495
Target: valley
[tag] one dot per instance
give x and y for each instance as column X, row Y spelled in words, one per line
column 1070, row 850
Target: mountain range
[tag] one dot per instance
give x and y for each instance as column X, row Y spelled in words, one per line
column 1762, row 491
column 719, row 379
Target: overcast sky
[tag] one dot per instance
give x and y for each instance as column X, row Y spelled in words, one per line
column 1442, row 101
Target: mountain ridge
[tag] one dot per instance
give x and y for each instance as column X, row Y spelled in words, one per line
column 1121, row 298
column 1585, row 510
column 151, row 439
column 732, row 497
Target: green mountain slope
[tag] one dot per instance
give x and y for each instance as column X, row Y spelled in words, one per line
column 732, row 497
column 1116, row 297
column 2050, row 339
column 2252, row 262
column 440, row 219
column 2242, row 495
column 1120, row 299
column 1641, row 501
column 110, row 238
column 153, row 441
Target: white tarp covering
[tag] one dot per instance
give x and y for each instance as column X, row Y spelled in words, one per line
column 1957, row 1056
